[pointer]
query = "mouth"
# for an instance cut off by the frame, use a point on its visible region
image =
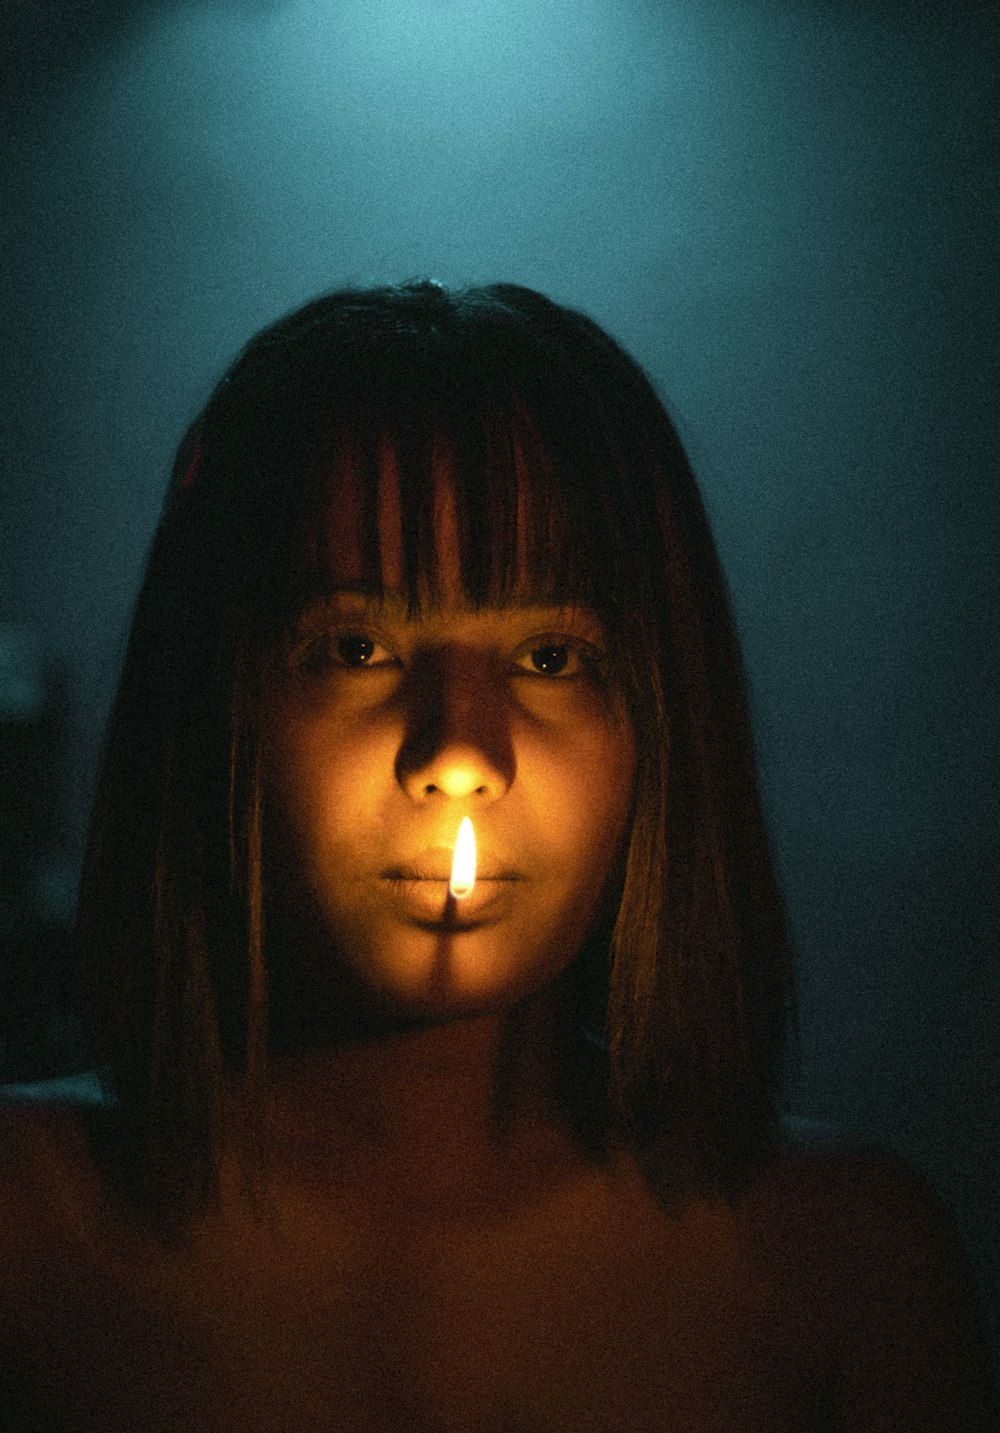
(427, 901)
(434, 864)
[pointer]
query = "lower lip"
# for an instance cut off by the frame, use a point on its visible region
(430, 901)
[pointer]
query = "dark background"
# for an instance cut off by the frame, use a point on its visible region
(787, 211)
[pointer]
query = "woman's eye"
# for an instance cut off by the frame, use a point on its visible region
(345, 650)
(356, 651)
(557, 659)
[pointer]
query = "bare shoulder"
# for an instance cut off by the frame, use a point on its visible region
(43, 1156)
(828, 1180)
(864, 1209)
(34, 1115)
(876, 1267)
(25, 1129)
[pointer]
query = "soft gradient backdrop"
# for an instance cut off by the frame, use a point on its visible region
(786, 210)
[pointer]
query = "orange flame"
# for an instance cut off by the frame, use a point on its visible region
(463, 866)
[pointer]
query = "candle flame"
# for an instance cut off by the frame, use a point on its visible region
(463, 866)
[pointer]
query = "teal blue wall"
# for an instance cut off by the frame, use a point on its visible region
(787, 211)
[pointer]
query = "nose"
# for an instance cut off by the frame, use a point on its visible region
(456, 771)
(457, 743)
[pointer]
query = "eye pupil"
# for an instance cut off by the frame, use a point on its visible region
(355, 650)
(550, 660)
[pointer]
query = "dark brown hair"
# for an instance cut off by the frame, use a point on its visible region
(686, 996)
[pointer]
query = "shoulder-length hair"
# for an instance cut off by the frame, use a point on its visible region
(686, 994)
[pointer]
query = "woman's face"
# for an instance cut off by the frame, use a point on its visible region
(383, 733)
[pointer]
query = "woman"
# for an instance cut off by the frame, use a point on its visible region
(370, 1155)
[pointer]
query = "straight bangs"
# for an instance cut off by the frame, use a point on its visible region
(545, 511)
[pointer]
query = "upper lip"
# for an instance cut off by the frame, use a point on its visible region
(434, 864)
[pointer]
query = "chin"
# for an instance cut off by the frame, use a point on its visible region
(445, 997)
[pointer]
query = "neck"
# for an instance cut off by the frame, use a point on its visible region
(440, 1120)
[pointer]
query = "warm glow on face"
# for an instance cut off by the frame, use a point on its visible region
(463, 866)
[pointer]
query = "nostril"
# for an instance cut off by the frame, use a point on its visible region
(430, 789)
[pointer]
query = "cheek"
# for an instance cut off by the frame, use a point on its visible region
(303, 806)
(312, 774)
(590, 800)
